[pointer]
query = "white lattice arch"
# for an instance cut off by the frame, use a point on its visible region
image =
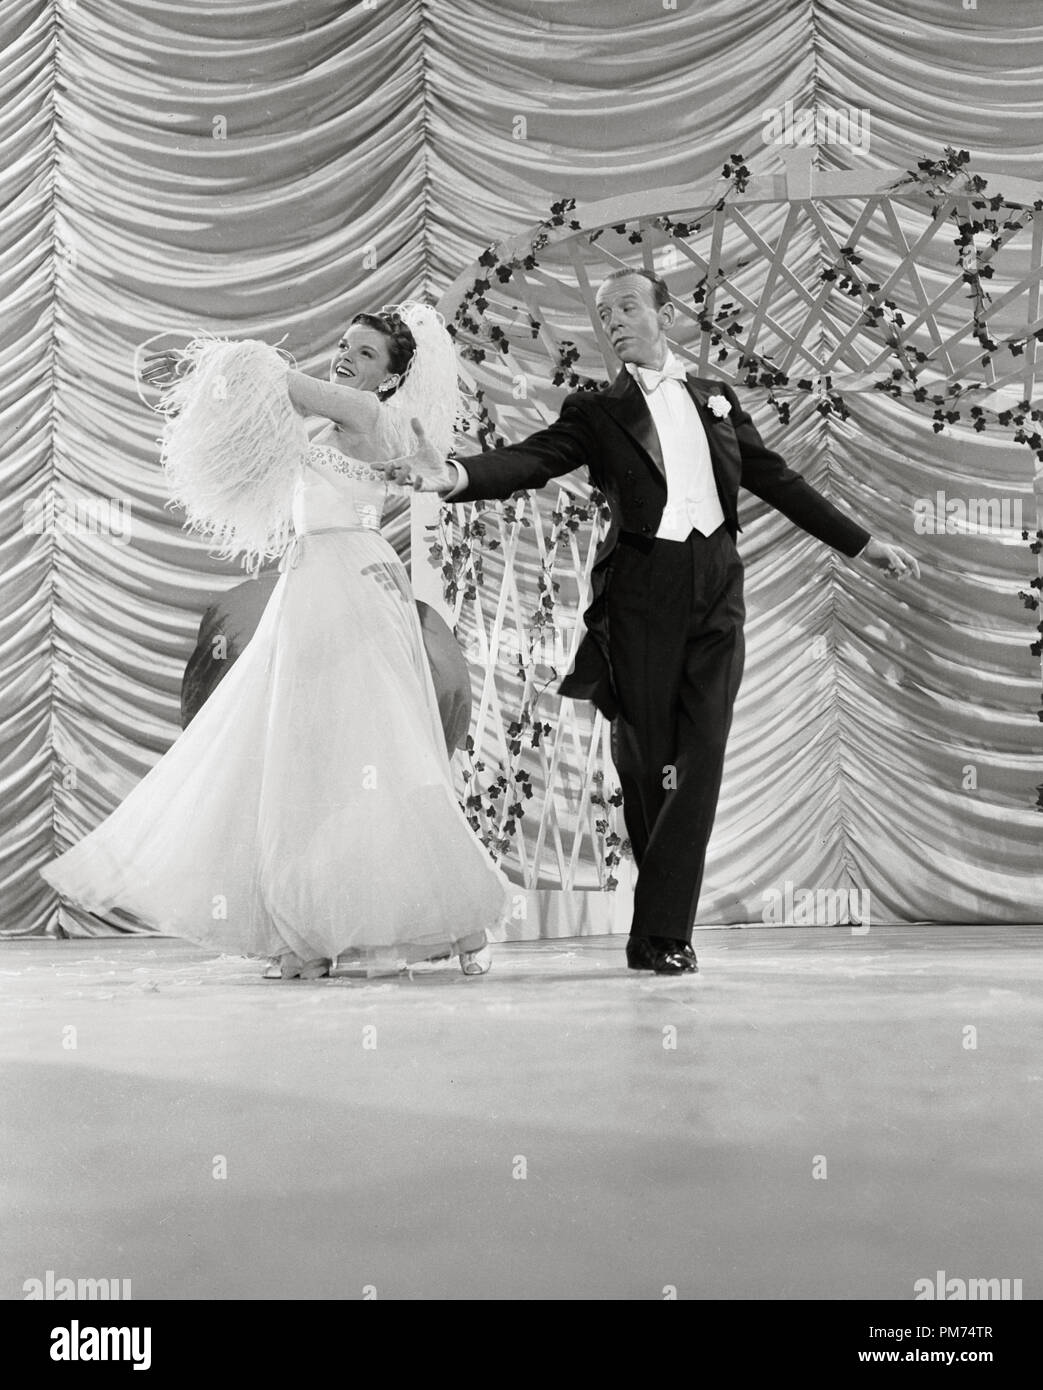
(750, 275)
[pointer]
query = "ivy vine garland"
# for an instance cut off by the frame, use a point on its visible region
(496, 809)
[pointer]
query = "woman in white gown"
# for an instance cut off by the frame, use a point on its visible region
(307, 813)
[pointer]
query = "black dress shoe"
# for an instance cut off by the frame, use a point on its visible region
(664, 955)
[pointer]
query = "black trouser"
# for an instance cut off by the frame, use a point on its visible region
(675, 620)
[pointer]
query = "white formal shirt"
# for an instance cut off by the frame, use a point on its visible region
(692, 502)
(691, 491)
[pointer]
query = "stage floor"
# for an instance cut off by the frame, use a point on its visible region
(806, 1118)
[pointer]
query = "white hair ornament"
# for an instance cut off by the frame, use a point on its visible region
(430, 389)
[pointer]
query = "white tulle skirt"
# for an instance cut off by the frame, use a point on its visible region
(309, 805)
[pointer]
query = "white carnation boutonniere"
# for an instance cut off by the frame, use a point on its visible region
(720, 405)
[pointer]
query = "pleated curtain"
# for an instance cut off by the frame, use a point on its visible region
(273, 168)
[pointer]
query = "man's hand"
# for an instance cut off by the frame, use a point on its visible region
(895, 562)
(425, 469)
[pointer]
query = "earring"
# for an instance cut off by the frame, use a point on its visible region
(390, 382)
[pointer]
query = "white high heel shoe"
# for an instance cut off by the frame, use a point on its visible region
(291, 967)
(476, 962)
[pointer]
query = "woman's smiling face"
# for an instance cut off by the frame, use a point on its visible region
(361, 359)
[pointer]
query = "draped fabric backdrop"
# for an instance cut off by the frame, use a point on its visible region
(273, 168)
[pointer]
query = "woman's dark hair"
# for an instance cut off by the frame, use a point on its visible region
(400, 341)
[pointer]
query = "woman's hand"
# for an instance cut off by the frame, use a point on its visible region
(162, 369)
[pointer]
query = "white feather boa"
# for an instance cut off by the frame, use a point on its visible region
(233, 447)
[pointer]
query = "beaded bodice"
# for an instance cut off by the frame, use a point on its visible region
(335, 490)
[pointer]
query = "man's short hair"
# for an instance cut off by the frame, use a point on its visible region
(660, 293)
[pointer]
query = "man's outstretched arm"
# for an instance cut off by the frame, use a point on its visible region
(767, 475)
(561, 448)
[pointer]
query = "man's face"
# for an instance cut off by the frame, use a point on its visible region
(635, 327)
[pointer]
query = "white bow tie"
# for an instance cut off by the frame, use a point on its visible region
(649, 379)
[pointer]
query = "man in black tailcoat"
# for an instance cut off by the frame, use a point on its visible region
(663, 652)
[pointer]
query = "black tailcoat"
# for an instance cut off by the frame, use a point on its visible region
(611, 434)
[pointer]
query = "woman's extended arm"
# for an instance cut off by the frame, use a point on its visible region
(233, 445)
(356, 411)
